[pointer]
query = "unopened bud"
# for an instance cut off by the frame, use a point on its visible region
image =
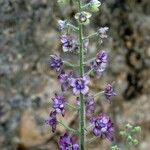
(130, 140)
(129, 126)
(94, 6)
(115, 147)
(135, 142)
(123, 133)
(136, 129)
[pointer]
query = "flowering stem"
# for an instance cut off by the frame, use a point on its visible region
(71, 106)
(70, 64)
(68, 128)
(89, 72)
(82, 104)
(86, 6)
(90, 36)
(99, 93)
(73, 27)
(89, 61)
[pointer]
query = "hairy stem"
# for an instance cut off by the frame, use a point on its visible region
(68, 128)
(90, 36)
(73, 27)
(82, 104)
(68, 64)
(73, 107)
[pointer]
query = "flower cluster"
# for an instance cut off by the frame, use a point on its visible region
(68, 43)
(78, 79)
(100, 62)
(56, 62)
(62, 24)
(52, 121)
(109, 92)
(59, 104)
(80, 85)
(89, 103)
(64, 80)
(67, 142)
(103, 126)
(103, 32)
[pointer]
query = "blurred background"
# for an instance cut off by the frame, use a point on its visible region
(29, 34)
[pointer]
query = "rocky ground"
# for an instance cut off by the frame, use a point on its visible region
(28, 35)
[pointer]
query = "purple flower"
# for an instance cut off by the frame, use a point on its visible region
(59, 104)
(64, 79)
(102, 57)
(52, 121)
(90, 104)
(80, 85)
(103, 126)
(68, 43)
(67, 142)
(56, 62)
(103, 32)
(62, 24)
(109, 92)
(100, 62)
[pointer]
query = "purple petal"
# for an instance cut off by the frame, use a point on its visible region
(72, 82)
(96, 132)
(75, 147)
(85, 90)
(75, 91)
(86, 79)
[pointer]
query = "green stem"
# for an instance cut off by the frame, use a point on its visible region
(86, 6)
(89, 61)
(90, 36)
(89, 72)
(68, 64)
(73, 27)
(99, 93)
(82, 104)
(71, 106)
(68, 128)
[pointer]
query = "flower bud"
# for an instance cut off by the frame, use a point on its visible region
(62, 24)
(123, 133)
(129, 126)
(94, 6)
(130, 139)
(135, 142)
(136, 129)
(115, 147)
(83, 17)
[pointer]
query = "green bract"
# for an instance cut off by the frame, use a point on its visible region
(95, 4)
(83, 17)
